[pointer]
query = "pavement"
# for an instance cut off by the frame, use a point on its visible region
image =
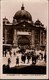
(23, 68)
(13, 62)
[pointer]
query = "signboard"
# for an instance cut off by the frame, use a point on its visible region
(23, 33)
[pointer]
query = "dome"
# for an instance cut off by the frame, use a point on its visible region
(22, 15)
(38, 22)
(5, 21)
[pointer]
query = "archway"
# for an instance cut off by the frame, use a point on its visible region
(23, 42)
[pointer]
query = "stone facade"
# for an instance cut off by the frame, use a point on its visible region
(23, 31)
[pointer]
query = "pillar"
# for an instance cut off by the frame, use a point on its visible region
(41, 37)
(15, 38)
(32, 39)
(5, 36)
(44, 38)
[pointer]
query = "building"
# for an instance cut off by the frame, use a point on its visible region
(23, 32)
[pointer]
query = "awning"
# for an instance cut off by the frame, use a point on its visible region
(7, 45)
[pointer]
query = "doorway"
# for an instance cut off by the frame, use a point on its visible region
(23, 42)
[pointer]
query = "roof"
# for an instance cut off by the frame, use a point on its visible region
(22, 15)
(5, 21)
(38, 22)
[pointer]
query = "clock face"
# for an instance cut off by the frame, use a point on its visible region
(24, 25)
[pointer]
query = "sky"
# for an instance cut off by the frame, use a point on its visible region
(37, 8)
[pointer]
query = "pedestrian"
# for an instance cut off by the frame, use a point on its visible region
(28, 57)
(3, 53)
(24, 58)
(9, 61)
(10, 53)
(45, 57)
(17, 60)
(6, 52)
(41, 56)
(33, 59)
(14, 53)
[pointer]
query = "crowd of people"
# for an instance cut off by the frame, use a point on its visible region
(24, 56)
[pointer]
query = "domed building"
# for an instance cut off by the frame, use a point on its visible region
(23, 32)
(22, 15)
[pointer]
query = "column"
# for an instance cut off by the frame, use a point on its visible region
(32, 38)
(15, 38)
(5, 36)
(41, 37)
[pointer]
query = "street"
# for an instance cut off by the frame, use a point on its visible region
(23, 68)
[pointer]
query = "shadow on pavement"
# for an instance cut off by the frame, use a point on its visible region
(32, 69)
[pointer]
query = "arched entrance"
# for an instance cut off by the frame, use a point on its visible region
(23, 42)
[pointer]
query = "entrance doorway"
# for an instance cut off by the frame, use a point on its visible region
(23, 42)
